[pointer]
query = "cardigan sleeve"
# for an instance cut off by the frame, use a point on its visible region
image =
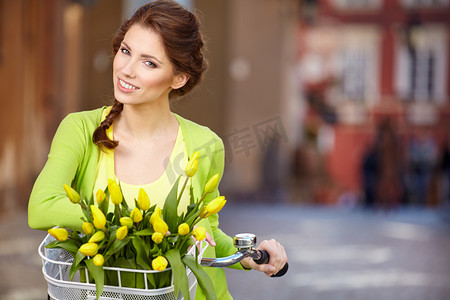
(224, 243)
(48, 205)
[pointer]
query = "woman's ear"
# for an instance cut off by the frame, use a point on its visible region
(179, 80)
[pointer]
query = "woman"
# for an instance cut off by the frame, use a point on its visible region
(139, 141)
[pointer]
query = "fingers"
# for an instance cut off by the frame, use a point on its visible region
(277, 254)
(249, 263)
(210, 240)
(278, 257)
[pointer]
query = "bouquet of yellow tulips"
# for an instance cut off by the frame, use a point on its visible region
(144, 237)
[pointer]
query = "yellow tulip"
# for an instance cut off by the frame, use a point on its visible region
(192, 165)
(115, 192)
(213, 207)
(183, 229)
(97, 237)
(89, 249)
(143, 200)
(199, 233)
(121, 232)
(160, 226)
(157, 237)
(212, 183)
(99, 217)
(100, 196)
(126, 221)
(74, 197)
(157, 213)
(136, 215)
(88, 228)
(160, 263)
(99, 260)
(60, 234)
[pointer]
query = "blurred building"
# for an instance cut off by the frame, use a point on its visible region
(55, 57)
(297, 89)
(362, 64)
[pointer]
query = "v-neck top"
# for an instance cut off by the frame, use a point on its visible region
(156, 190)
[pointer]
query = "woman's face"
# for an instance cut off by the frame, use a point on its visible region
(142, 72)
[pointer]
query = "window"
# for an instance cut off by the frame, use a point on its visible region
(357, 4)
(425, 3)
(357, 60)
(421, 64)
(354, 70)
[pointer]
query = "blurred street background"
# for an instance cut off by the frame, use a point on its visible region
(335, 116)
(333, 254)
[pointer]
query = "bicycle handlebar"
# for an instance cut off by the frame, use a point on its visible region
(264, 259)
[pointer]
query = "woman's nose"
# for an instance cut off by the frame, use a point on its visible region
(129, 68)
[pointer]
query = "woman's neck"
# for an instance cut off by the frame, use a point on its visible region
(145, 121)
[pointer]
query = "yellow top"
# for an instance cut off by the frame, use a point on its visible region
(156, 190)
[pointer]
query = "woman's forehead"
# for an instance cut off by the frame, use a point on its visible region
(146, 41)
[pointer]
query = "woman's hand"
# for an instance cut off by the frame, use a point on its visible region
(278, 258)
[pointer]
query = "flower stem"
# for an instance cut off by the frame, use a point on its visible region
(191, 221)
(182, 189)
(119, 211)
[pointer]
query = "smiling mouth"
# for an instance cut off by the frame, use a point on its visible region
(127, 85)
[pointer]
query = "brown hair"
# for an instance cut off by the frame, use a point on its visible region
(183, 43)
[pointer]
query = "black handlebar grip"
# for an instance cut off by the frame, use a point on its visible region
(264, 259)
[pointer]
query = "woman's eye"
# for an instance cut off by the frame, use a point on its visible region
(150, 64)
(125, 51)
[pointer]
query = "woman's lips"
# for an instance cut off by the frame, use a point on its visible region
(126, 86)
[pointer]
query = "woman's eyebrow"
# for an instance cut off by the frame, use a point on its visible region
(144, 55)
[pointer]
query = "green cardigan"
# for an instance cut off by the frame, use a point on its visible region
(73, 160)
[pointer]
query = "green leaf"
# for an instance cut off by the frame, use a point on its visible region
(189, 213)
(185, 244)
(116, 220)
(116, 247)
(99, 276)
(202, 278)
(68, 245)
(128, 279)
(83, 278)
(154, 250)
(142, 252)
(73, 270)
(170, 210)
(75, 234)
(111, 276)
(172, 238)
(110, 216)
(163, 278)
(105, 204)
(193, 207)
(124, 202)
(90, 200)
(180, 279)
(87, 213)
(145, 232)
(75, 265)
(112, 236)
(142, 260)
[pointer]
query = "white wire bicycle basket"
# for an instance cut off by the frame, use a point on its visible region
(56, 264)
